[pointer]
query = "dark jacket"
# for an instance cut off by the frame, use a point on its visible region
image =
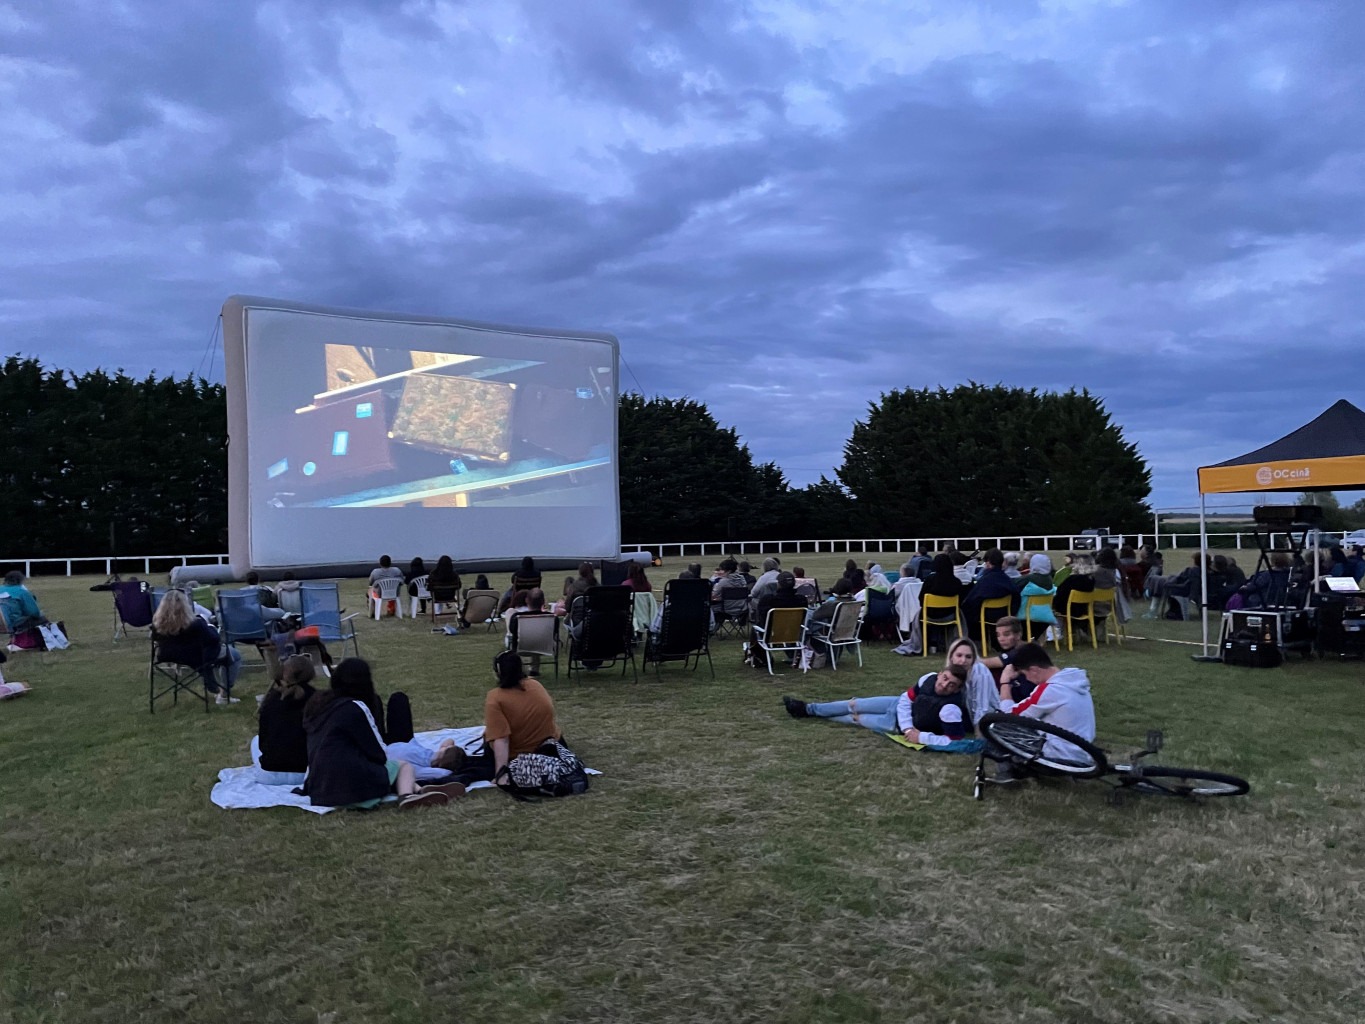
(346, 761)
(196, 646)
(992, 584)
(284, 744)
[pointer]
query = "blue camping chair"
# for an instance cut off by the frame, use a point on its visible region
(321, 603)
(240, 617)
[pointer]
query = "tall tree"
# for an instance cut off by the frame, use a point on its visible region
(982, 459)
(683, 475)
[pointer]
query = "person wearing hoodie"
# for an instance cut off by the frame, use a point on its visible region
(1060, 696)
(287, 594)
(991, 585)
(1037, 582)
(348, 765)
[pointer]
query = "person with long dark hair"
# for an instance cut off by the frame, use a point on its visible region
(284, 743)
(347, 763)
(443, 584)
(518, 716)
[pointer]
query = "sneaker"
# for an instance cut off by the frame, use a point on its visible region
(452, 790)
(429, 797)
(796, 708)
(223, 698)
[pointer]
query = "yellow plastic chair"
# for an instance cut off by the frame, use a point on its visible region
(995, 604)
(1082, 601)
(1037, 601)
(931, 603)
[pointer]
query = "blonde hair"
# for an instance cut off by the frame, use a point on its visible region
(961, 641)
(174, 614)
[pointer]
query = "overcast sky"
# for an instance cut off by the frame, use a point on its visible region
(781, 209)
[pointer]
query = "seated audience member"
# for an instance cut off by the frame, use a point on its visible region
(1225, 579)
(535, 605)
(1012, 564)
(416, 568)
(481, 582)
(518, 717)
(196, 592)
(22, 613)
(288, 595)
(187, 639)
(692, 572)
(270, 606)
(1081, 579)
(1106, 577)
(958, 557)
(1268, 588)
(992, 584)
(637, 580)
(385, 570)
(520, 604)
(771, 567)
(746, 570)
(922, 564)
(1037, 582)
(1009, 637)
(731, 579)
(821, 617)
(1355, 563)
(443, 582)
(876, 579)
(1188, 583)
(284, 744)
(857, 581)
(561, 607)
(783, 595)
(805, 585)
(1152, 564)
(348, 765)
(1060, 696)
(932, 713)
(763, 586)
(582, 583)
(1127, 555)
(525, 579)
(942, 580)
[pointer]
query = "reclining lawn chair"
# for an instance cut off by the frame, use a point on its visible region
(605, 631)
(481, 608)
(684, 632)
(132, 607)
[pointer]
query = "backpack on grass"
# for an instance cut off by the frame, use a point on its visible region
(551, 770)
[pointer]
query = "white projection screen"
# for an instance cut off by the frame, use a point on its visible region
(353, 434)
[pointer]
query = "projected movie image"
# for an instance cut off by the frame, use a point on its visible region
(390, 427)
(354, 434)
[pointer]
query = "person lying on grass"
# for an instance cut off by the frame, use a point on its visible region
(348, 765)
(933, 713)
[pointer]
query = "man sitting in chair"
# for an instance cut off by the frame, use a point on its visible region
(821, 617)
(991, 585)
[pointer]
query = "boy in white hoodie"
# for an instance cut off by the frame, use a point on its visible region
(1060, 696)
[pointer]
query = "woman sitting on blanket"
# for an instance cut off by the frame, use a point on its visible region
(284, 743)
(347, 763)
(186, 639)
(933, 713)
(518, 716)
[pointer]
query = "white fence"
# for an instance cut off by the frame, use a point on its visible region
(149, 564)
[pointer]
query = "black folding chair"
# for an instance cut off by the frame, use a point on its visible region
(178, 676)
(684, 626)
(732, 612)
(605, 631)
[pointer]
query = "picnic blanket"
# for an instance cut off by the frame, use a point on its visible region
(972, 746)
(252, 786)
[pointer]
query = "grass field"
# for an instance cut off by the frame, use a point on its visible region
(732, 864)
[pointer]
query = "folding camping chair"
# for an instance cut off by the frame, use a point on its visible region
(177, 677)
(845, 630)
(321, 603)
(132, 607)
(240, 618)
(732, 612)
(784, 630)
(684, 632)
(604, 631)
(480, 606)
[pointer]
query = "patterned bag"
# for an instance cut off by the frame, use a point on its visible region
(551, 770)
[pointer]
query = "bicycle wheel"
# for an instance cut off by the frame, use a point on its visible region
(1185, 782)
(1042, 745)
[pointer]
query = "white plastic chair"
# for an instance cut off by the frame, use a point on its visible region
(383, 590)
(423, 594)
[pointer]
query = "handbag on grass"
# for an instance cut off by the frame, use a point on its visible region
(551, 770)
(54, 638)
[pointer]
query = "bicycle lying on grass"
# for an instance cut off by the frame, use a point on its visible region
(1033, 747)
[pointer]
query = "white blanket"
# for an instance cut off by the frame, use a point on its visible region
(253, 786)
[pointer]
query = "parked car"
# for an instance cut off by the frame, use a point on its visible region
(1354, 539)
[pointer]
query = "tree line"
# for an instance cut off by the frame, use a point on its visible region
(147, 459)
